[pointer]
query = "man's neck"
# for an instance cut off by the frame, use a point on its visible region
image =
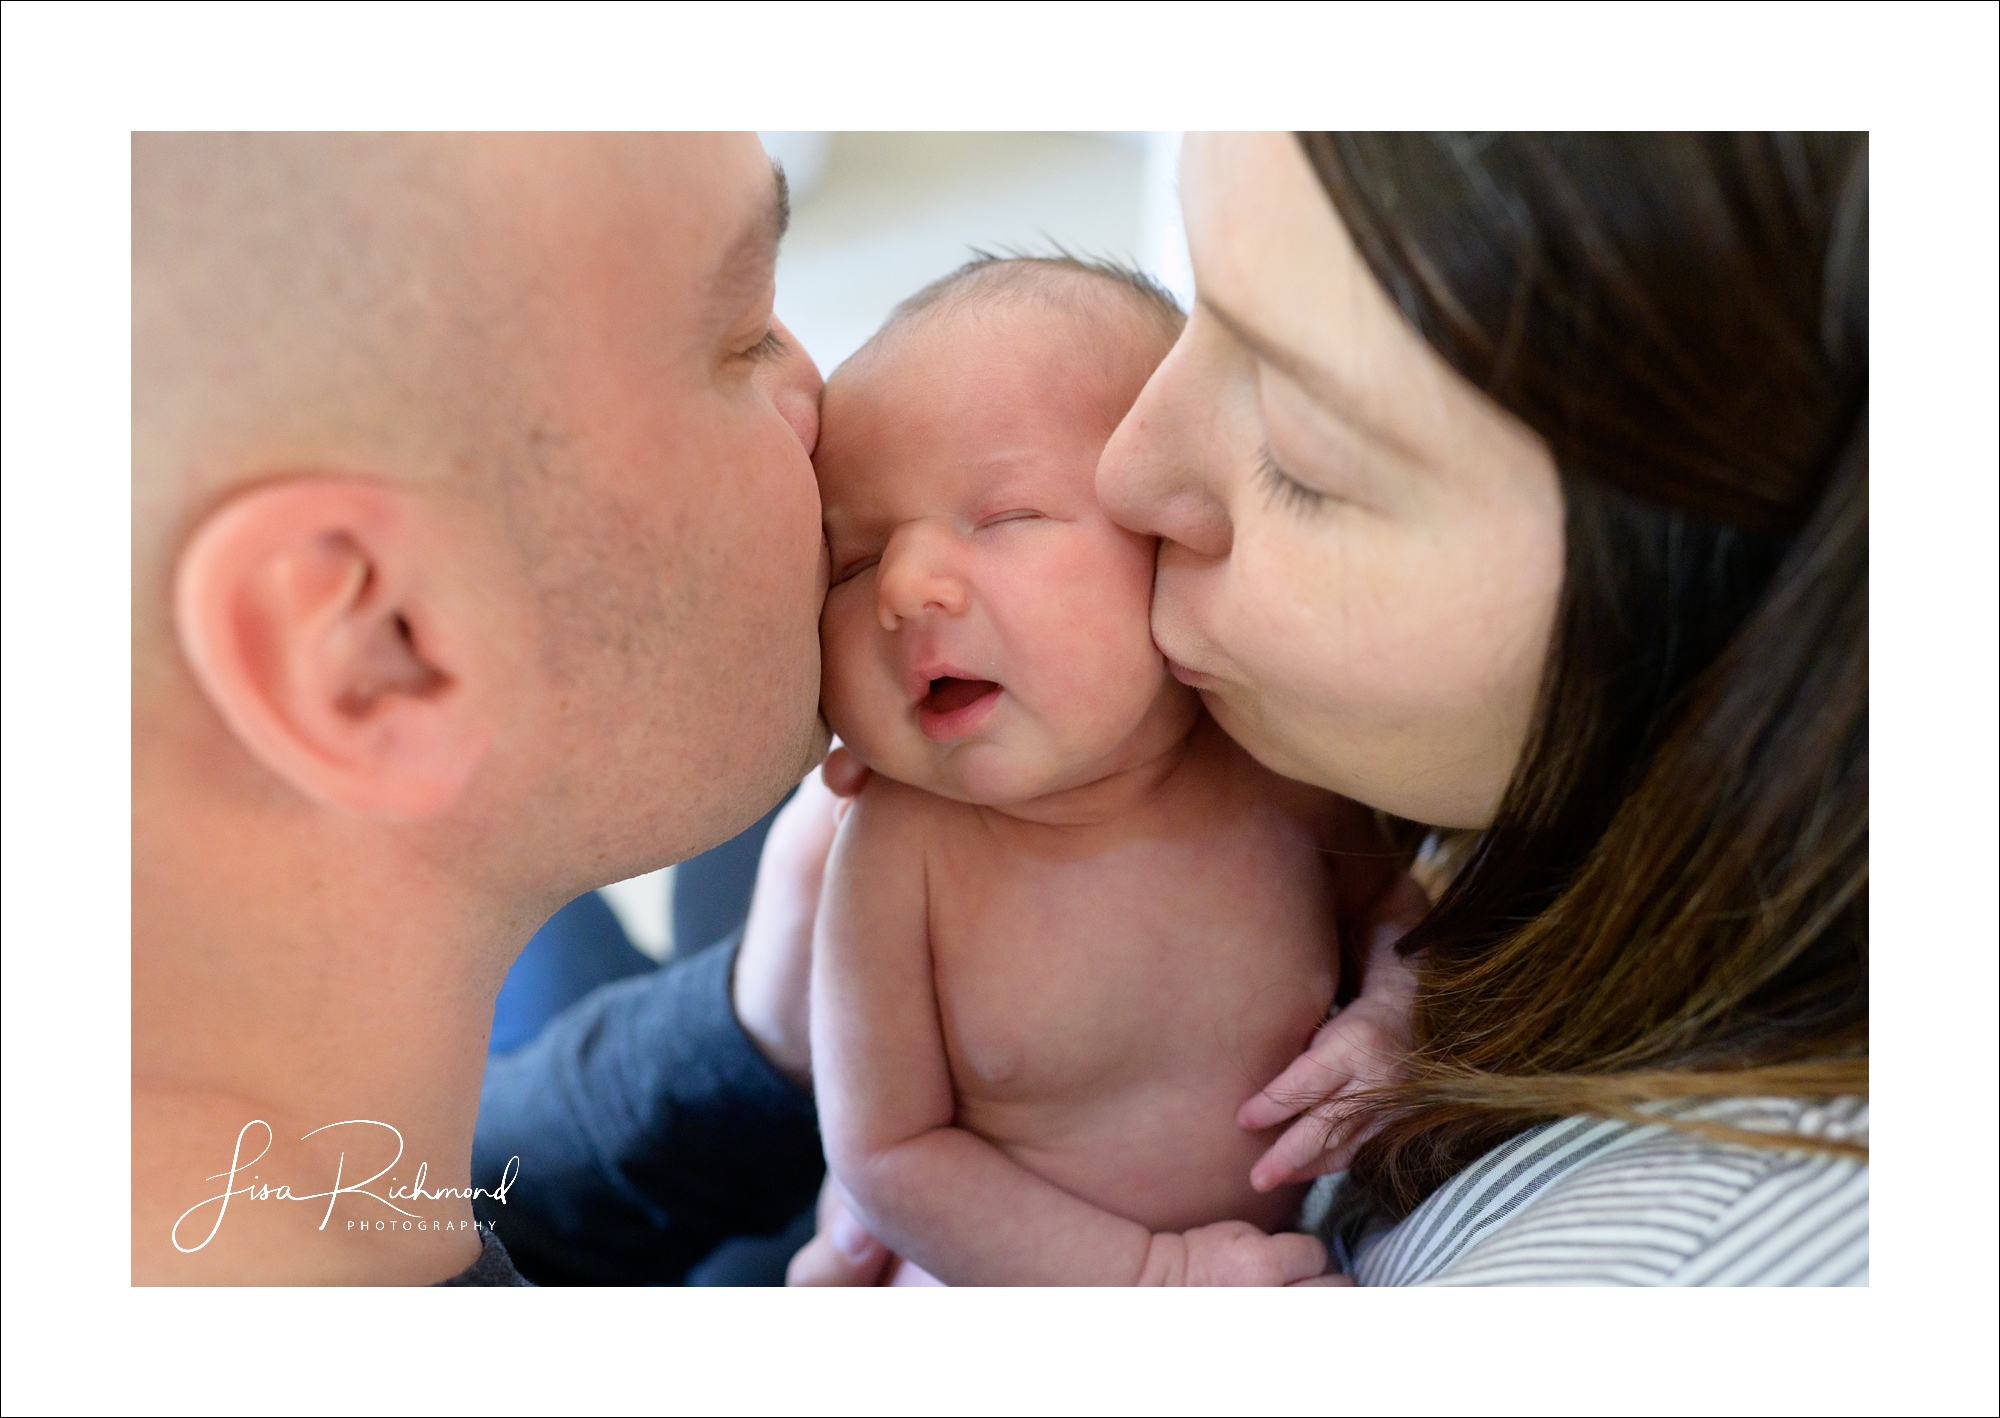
(311, 1006)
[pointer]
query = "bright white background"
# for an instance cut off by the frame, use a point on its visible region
(77, 79)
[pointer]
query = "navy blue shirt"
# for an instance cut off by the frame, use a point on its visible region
(649, 1130)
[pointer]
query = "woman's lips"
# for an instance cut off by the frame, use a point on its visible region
(955, 707)
(1186, 676)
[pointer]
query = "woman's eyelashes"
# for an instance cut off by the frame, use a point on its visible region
(1284, 489)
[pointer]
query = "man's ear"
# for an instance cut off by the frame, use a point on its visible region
(312, 618)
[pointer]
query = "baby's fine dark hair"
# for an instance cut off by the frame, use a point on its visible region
(1056, 279)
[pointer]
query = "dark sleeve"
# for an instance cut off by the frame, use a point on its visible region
(649, 1129)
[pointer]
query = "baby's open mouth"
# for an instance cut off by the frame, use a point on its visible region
(947, 695)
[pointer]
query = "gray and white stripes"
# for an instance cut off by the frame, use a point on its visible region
(1585, 1201)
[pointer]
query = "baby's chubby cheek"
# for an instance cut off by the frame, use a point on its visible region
(1083, 636)
(856, 693)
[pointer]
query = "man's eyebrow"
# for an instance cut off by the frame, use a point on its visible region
(781, 202)
(747, 263)
(1314, 379)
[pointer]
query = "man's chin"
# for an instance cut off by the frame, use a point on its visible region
(821, 745)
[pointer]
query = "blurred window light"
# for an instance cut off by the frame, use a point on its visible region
(802, 156)
(876, 216)
(644, 906)
(1163, 249)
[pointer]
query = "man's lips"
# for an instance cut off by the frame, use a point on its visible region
(953, 706)
(1187, 676)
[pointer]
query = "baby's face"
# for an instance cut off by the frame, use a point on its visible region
(986, 636)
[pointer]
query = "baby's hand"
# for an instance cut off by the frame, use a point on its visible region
(1232, 1253)
(1361, 1047)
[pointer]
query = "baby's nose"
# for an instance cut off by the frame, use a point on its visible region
(916, 580)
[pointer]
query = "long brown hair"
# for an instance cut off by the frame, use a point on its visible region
(1673, 898)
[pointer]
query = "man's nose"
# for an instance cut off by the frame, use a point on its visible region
(791, 381)
(916, 578)
(1156, 476)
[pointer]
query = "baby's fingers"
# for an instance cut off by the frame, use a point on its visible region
(1300, 1257)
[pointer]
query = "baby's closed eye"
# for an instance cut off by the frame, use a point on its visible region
(1018, 514)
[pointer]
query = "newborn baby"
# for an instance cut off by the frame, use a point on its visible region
(1069, 927)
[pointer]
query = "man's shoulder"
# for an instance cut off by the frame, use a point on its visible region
(494, 1266)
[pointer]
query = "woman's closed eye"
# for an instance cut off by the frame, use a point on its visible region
(1282, 488)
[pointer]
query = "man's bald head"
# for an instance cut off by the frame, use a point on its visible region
(554, 349)
(477, 563)
(322, 301)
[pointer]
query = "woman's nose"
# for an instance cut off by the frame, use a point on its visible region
(791, 381)
(915, 579)
(1152, 478)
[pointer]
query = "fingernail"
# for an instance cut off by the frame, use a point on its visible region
(850, 1237)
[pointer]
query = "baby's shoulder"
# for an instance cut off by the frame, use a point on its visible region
(888, 810)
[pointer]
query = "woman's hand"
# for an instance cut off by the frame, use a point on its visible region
(842, 1251)
(1361, 1047)
(775, 960)
(843, 773)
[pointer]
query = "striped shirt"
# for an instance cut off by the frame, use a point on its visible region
(1587, 1201)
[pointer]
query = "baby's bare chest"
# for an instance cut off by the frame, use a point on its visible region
(1195, 957)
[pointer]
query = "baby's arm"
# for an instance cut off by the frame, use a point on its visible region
(940, 1195)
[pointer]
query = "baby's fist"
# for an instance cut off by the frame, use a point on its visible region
(1232, 1253)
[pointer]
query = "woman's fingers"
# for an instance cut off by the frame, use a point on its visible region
(1361, 1042)
(844, 774)
(1318, 1145)
(1358, 1049)
(1361, 1048)
(1309, 1148)
(821, 1261)
(1306, 1080)
(1393, 915)
(775, 960)
(844, 1252)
